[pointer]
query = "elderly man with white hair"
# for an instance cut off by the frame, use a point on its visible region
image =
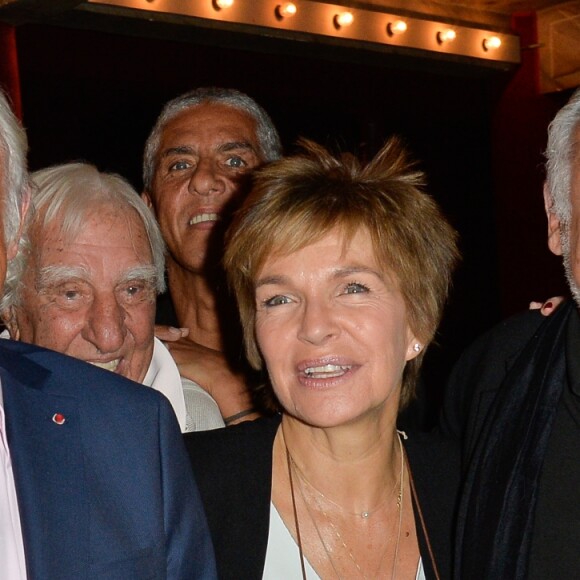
(514, 398)
(94, 479)
(85, 282)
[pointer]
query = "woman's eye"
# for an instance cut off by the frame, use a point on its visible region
(356, 288)
(276, 301)
(236, 162)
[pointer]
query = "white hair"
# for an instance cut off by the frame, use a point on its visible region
(562, 148)
(66, 194)
(268, 139)
(13, 173)
(560, 152)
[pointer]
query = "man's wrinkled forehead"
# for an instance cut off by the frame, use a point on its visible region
(67, 225)
(227, 125)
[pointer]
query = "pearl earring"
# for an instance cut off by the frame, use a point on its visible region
(417, 347)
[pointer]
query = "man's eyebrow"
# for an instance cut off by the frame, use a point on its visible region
(235, 145)
(54, 275)
(146, 273)
(179, 150)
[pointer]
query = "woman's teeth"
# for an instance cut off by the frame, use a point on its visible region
(326, 371)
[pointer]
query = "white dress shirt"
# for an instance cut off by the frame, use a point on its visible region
(12, 563)
(194, 408)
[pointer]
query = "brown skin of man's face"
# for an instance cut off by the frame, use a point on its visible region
(205, 157)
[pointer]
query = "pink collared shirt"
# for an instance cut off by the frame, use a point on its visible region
(11, 543)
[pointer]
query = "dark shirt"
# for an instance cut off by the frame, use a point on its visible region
(477, 380)
(555, 552)
(165, 312)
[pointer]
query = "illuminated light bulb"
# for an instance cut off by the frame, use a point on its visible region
(221, 4)
(491, 43)
(343, 19)
(396, 27)
(447, 35)
(286, 10)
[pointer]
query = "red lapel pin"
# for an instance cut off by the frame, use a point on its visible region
(58, 418)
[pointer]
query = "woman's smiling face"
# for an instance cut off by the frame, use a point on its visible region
(332, 327)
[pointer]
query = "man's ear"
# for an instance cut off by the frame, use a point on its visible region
(554, 225)
(147, 199)
(12, 248)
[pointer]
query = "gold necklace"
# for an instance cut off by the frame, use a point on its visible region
(291, 464)
(365, 514)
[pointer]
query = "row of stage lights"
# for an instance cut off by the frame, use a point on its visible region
(346, 18)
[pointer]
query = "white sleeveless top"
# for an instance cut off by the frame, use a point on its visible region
(283, 555)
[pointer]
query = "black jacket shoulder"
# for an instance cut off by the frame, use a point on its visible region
(233, 470)
(480, 371)
(435, 466)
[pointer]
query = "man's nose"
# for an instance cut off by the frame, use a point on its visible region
(206, 179)
(105, 327)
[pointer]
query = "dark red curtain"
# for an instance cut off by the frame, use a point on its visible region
(9, 76)
(528, 271)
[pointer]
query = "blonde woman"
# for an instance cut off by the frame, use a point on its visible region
(341, 274)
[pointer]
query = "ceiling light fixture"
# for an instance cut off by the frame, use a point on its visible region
(446, 36)
(343, 19)
(285, 10)
(396, 27)
(221, 4)
(491, 43)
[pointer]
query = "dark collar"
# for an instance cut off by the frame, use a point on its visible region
(573, 352)
(496, 516)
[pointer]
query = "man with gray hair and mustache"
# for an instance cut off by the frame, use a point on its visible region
(85, 284)
(94, 479)
(197, 164)
(514, 399)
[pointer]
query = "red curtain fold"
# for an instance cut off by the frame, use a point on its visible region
(9, 74)
(526, 267)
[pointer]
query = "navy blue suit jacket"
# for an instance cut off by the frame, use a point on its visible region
(109, 494)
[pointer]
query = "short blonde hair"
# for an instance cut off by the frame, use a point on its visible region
(298, 200)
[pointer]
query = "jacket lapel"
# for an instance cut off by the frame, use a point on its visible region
(47, 459)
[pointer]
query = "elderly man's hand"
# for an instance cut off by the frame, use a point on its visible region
(209, 369)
